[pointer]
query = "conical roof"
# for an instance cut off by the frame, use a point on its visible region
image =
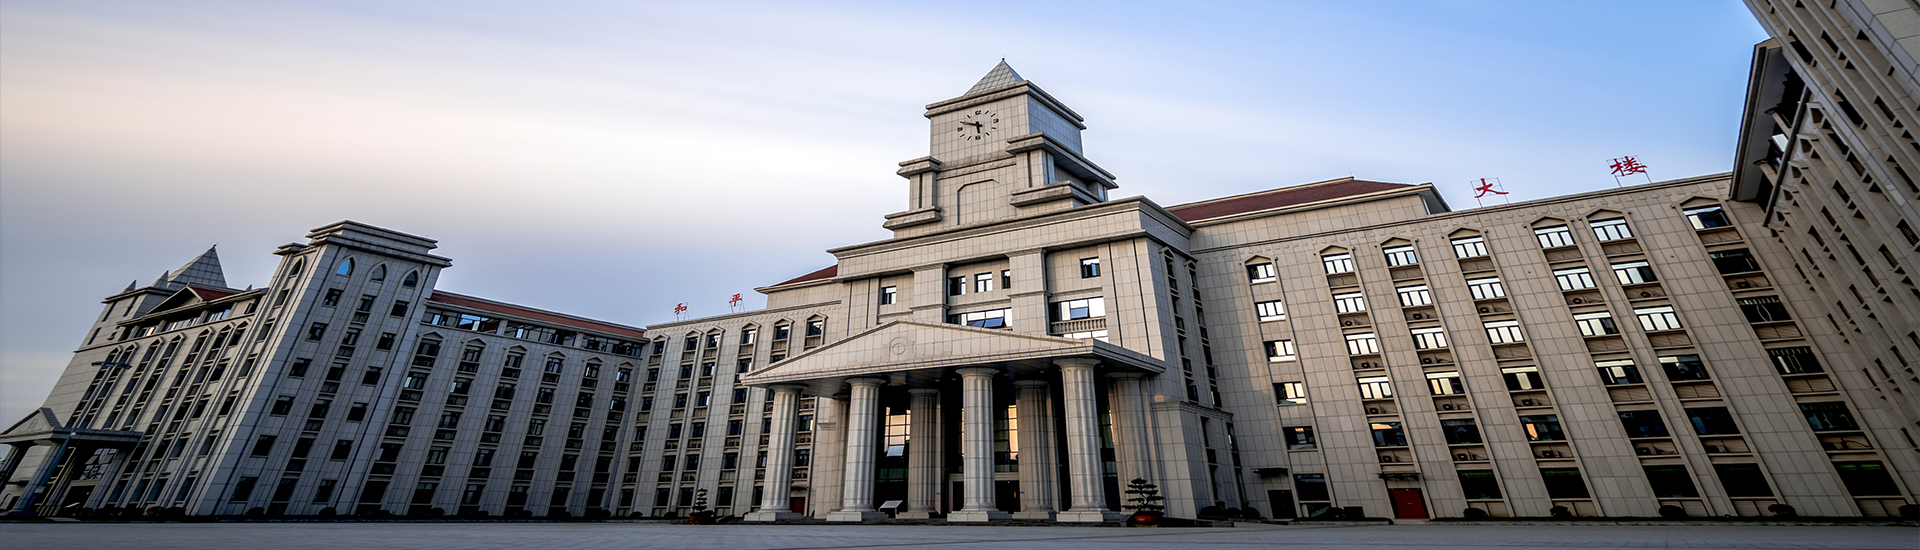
(1001, 75)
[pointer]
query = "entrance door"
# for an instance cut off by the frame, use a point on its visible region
(799, 505)
(1282, 502)
(1408, 504)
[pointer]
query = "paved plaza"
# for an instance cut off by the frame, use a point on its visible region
(588, 536)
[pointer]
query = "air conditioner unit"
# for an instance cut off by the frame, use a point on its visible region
(1373, 410)
(1646, 294)
(1526, 402)
(1743, 284)
(1366, 365)
(1459, 456)
(1346, 323)
(1446, 406)
(1426, 360)
(1419, 316)
(1643, 450)
(1486, 310)
(1387, 458)
(1577, 301)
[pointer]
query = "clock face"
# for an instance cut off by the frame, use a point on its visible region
(978, 125)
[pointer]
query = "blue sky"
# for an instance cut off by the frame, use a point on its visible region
(611, 159)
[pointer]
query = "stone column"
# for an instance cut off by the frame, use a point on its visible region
(13, 461)
(924, 474)
(29, 493)
(1039, 489)
(856, 485)
(1082, 405)
(776, 494)
(1131, 414)
(976, 445)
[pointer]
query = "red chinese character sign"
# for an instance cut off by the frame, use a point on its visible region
(734, 304)
(1627, 166)
(679, 310)
(1487, 186)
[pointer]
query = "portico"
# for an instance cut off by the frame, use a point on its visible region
(65, 444)
(1028, 440)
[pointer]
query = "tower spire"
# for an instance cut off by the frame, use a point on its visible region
(1001, 75)
(204, 271)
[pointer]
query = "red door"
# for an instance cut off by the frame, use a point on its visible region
(799, 506)
(1407, 504)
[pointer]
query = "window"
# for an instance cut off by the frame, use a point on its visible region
(413, 278)
(1503, 332)
(1707, 217)
(1657, 318)
(887, 296)
(346, 267)
(264, 445)
(1598, 323)
(414, 381)
(1712, 421)
(1299, 438)
(1006, 279)
(1414, 296)
(1643, 424)
(1739, 260)
(332, 298)
(1564, 483)
(1089, 268)
(983, 282)
(1445, 383)
(357, 413)
(1351, 302)
(1290, 392)
(1522, 378)
(1365, 343)
(1617, 372)
(1311, 486)
(1794, 360)
(1633, 273)
(1281, 350)
(1084, 308)
(1684, 367)
(1486, 288)
(1470, 247)
(385, 341)
(1388, 434)
(1429, 338)
(1337, 263)
(1829, 416)
(1866, 478)
(782, 331)
(1261, 273)
(1479, 484)
(1400, 255)
(1460, 431)
(316, 331)
(1611, 230)
(243, 490)
(816, 327)
(956, 285)
(1577, 278)
(1743, 480)
(1542, 427)
(342, 449)
(996, 318)
(1375, 387)
(1671, 482)
(1272, 310)
(282, 405)
(1763, 309)
(402, 416)
(1554, 236)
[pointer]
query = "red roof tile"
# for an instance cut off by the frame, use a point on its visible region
(1285, 196)
(533, 314)
(210, 294)
(828, 273)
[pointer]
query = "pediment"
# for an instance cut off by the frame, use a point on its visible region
(902, 346)
(38, 421)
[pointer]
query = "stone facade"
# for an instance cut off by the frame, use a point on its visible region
(1022, 347)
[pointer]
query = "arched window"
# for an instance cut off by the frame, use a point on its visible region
(413, 278)
(379, 273)
(298, 266)
(346, 267)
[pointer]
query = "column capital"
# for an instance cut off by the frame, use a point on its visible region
(970, 372)
(1075, 362)
(917, 392)
(866, 381)
(1031, 383)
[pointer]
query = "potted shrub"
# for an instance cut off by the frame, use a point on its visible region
(1782, 510)
(1143, 501)
(700, 515)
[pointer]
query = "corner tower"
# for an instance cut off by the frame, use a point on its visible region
(1003, 149)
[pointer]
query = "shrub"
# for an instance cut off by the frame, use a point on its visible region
(1671, 512)
(1783, 510)
(328, 512)
(1212, 512)
(1474, 513)
(1560, 512)
(1143, 497)
(107, 512)
(636, 515)
(436, 512)
(1249, 513)
(522, 513)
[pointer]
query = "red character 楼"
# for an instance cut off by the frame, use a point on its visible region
(1627, 165)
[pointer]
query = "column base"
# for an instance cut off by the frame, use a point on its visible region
(915, 515)
(1043, 515)
(855, 516)
(977, 516)
(772, 516)
(1089, 516)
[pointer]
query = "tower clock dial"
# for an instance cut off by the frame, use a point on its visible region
(978, 125)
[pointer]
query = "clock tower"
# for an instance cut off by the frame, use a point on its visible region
(1003, 149)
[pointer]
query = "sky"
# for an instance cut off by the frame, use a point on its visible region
(613, 159)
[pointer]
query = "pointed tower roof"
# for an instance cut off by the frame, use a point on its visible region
(1001, 75)
(204, 271)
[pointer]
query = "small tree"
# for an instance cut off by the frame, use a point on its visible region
(1143, 497)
